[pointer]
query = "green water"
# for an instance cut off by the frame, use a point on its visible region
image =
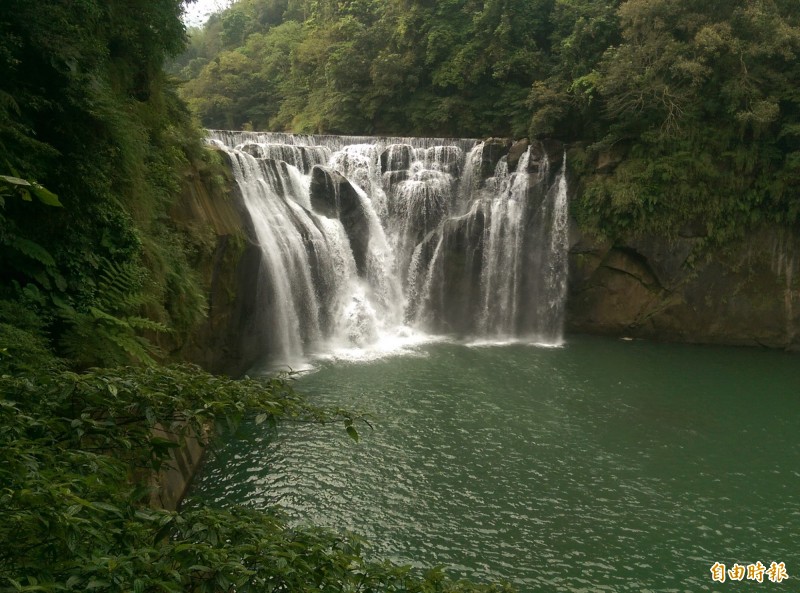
(600, 466)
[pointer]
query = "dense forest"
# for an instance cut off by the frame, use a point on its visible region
(87, 115)
(676, 113)
(690, 108)
(94, 149)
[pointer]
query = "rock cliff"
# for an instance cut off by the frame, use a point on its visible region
(744, 294)
(229, 265)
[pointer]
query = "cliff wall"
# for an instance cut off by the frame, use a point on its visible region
(229, 262)
(746, 293)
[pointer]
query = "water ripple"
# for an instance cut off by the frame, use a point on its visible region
(600, 466)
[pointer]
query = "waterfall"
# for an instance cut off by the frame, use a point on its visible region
(372, 244)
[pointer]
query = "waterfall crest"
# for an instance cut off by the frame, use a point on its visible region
(372, 244)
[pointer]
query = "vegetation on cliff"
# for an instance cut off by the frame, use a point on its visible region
(94, 147)
(76, 450)
(87, 112)
(689, 110)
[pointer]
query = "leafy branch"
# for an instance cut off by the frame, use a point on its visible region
(75, 503)
(10, 186)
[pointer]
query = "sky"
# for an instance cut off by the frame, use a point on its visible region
(198, 12)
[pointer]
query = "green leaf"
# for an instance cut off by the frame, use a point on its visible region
(59, 280)
(159, 442)
(45, 196)
(25, 188)
(108, 507)
(15, 181)
(33, 251)
(353, 433)
(59, 302)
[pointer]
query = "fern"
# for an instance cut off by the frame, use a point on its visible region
(32, 250)
(145, 324)
(120, 287)
(8, 103)
(107, 332)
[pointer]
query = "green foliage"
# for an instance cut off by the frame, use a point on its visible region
(10, 186)
(244, 87)
(449, 68)
(23, 350)
(697, 97)
(75, 453)
(698, 102)
(565, 102)
(107, 333)
(86, 111)
(28, 263)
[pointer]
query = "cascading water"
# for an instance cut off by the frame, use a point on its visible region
(368, 243)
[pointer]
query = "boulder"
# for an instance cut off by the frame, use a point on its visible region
(396, 157)
(493, 150)
(515, 153)
(545, 154)
(333, 196)
(253, 149)
(393, 178)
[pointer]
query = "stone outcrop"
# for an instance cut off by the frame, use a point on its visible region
(228, 261)
(332, 195)
(675, 289)
(545, 154)
(172, 481)
(515, 153)
(396, 157)
(493, 150)
(455, 295)
(747, 294)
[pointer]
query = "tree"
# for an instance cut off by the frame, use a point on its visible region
(701, 96)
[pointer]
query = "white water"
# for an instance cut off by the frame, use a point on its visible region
(502, 265)
(446, 251)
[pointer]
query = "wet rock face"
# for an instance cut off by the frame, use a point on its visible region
(396, 157)
(252, 149)
(392, 179)
(493, 150)
(456, 295)
(658, 288)
(325, 186)
(545, 154)
(515, 153)
(226, 341)
(332, 195)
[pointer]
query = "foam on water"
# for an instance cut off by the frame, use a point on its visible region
(401, 341)
(490, 343)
